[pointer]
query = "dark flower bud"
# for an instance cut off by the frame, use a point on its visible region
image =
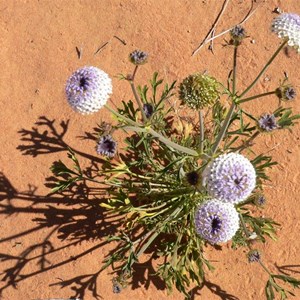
(148, 110)
(138, 57)
(193, 178)
(254, 256)
(237, 34)
(260, 200)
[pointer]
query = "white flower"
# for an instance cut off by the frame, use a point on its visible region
(230, 178)
(287, 26)
(88, 89)
(216, 221)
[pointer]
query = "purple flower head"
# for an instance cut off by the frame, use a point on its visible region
(230, 178)
(267, 122)
(216, 221)
(290, 93)
(253, 256)
(107, 146)
(287, 26)
(88, 89)
(138, 57)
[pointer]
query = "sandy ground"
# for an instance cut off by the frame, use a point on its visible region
(37, 54)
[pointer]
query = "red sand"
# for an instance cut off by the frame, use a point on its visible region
(38, 40)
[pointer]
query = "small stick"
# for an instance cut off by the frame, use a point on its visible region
(101, 47)
(206, 40)
(122, 41)
(78, 51)
(211, 32)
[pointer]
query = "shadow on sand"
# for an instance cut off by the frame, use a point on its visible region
(72, 217)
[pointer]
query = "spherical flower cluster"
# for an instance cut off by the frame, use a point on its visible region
(230, 178)
(138, 57)
(88, 89)
(107, 146)
(216, 221)
(198, 91)
(267, 122)
(287, 26)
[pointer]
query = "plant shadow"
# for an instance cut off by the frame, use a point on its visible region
(72, 216)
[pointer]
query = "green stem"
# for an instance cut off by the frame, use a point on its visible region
(256, 97)
(138, 100)
(234, 71)
(163, 139)
(244, 226)
(201, 122)
(264, 69)
(224, 128)
(265, 268)
(232, 107)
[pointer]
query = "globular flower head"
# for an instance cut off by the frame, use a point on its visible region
(237, 34)
(267, 122)
(230, 178)
(216, 221)
(254, 256)
(138, 57)
(286, 93)
(198, 91)
(88, 90)
(287, 26)
(148, 110)
(107, 146)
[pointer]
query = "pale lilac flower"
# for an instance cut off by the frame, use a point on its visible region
(88, 90)
(216, 221)
(287, 26)
(230, 178)
(107, 146)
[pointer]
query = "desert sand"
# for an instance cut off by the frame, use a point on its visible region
(38, 53)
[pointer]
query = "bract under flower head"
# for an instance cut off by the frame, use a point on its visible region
(216, 221)
(230, 178)
(198, 91)
(107, 146)
(88, 90)
(287, 26)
